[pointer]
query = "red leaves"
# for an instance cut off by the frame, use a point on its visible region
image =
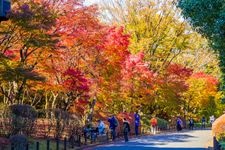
(114, 45)
(74, 80)
(135, 67)
(137, 78)
(179, 71)
(9, 53)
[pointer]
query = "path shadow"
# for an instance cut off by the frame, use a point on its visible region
(158, 142)
(146, 148)
(181, 137)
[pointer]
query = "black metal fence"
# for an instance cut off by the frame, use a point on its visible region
(70, 143)
(50, 144)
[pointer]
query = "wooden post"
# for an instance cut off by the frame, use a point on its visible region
(37, 145)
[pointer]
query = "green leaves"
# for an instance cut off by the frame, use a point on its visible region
(18, 74)
(208, 17)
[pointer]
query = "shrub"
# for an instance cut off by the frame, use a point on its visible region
(19, 119)
(218, 127)
(19, 142)
(162, 124)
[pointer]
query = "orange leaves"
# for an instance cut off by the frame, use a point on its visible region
(175, 77)
(78, 25)
(218, 126)
(209, 78)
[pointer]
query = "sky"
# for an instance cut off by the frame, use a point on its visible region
(89, 2)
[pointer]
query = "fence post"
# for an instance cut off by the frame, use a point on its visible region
(12, 146)
(65, 143)
(37, 145)
(57, 144)
(48, 144)
(27, 146)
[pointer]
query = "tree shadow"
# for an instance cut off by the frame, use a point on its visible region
(181, 137)
(152, 143)
(146, 148)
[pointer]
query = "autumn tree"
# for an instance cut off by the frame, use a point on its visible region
(156, 28)
(138, 82)
(24, 39)
(202, 97)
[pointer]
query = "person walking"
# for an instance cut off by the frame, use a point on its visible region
(203, 122)
(137, 122)
(179, 124)
(113, 123)
(191, 124)
(212, 119)
(153, 123)
(126, 129)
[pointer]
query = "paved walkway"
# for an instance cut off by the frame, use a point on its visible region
(193, 140)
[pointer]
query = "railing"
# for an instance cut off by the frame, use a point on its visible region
(45, 131)
(78, 139)
(48, 146)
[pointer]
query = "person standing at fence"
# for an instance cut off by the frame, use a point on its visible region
(113, 123)
(101, 127)
(126, 129)
(137, 122)
(153, 123)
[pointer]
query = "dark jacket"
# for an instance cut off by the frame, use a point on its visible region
(126, 126)
(113, 123)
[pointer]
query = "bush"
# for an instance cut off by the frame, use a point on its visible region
(218, 126)
(19, 142)
(162, 124)
(19, 119)
(199, 125)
